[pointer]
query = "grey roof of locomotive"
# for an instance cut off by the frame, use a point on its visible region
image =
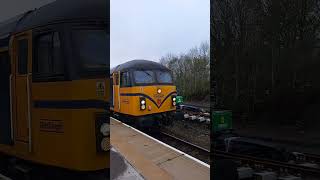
(56, 12)
(139, 65)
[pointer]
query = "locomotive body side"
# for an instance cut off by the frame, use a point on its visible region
(58, 87)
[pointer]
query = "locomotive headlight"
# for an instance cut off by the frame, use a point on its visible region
(105, 129)
(159, 91)
(174, 100)
(102, 132)
(143, 102)
(105, 144)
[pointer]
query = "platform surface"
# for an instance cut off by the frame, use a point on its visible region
(2, 177)
(152, 159)
(121, 169)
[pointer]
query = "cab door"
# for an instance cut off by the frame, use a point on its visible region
(22, 48)
(116, 92)
(111, 92)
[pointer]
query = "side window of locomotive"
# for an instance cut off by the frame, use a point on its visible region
(23, 56)
(90, 47)
(116, 78)
(125, 79)
(43, 58)
(58, 66)
(48, 59)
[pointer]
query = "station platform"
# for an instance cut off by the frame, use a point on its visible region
(2, 177)
(147, 158)
(121, 169)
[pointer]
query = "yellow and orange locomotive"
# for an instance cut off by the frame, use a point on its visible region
(53, 87)
(143, 93)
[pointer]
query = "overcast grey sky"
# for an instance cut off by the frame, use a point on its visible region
(150, 29)
(143, 29)
(10, 8)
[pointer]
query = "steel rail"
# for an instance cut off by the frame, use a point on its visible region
(269, 163)
(186, 142)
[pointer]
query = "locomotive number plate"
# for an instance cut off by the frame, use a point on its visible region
(55, 126)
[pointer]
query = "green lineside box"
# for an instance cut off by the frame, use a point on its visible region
(222, 120)
(179, 99)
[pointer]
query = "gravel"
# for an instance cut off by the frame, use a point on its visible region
(193, 132)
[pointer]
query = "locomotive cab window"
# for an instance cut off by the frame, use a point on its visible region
(48, 56)
(91, 49)
(164, 77)
(125, 79)
(23, 56)
(144, 77)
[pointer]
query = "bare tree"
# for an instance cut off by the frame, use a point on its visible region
(264, 51)
(191, 71)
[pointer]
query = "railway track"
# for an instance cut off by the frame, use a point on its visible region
(184, 146)
(308, 156)
(312, 157)
(198, 106)
(280, 167)
(204, 155)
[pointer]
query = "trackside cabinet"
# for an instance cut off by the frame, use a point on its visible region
(222, 120)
